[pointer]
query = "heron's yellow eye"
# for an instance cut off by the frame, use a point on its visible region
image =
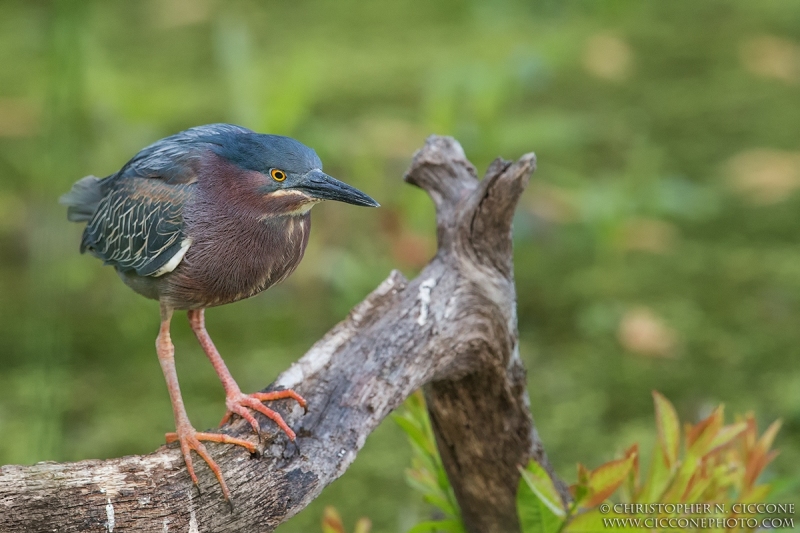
(277, 175)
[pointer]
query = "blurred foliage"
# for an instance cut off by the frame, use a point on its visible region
(713, 464)
(332, 523)
(656, 248)
(427, 474)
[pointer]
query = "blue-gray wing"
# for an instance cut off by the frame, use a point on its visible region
(175, 159)
(135, 217)
(139, 226)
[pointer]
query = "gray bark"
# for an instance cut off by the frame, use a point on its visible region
(452, 330)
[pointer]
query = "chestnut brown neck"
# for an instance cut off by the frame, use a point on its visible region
(239, 248)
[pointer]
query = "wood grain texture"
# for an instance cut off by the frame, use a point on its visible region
(453, 330)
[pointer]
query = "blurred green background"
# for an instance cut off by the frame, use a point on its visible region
(658, 245)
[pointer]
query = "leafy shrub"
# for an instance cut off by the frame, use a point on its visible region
(427, 474)
(713, 464)
(707, 463)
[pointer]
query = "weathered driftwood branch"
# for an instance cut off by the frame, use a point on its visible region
(452, 330)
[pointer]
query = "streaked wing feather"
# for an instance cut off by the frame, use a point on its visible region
(138, 224)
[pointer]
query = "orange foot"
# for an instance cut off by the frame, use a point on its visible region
(239, 403)
(190, 440)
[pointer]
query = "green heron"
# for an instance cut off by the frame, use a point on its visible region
(206, 217)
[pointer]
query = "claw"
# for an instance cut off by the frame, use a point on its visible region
(239, 404)
(189, 440)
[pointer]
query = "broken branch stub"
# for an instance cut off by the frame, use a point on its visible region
(452, 329)
(479, 408)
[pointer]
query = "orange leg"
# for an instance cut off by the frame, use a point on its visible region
(185, 434)
(236, 401)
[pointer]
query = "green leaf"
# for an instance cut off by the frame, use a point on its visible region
(535, 477)
(632, 483)
(442, 503)
(699, 436)
(538, 503)
(669, 429)
(607, 478)
(663, 462)
(421, 481)
(760, 455)
(658, 478)
(427, 474)
(580, 490)
(726, 435)
(414, 432)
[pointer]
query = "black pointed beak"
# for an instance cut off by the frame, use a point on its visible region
(317, 184)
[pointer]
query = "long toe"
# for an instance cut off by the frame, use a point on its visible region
(256, 405)
(281, 395)
(241, 408)
(191, 440)
(241, 403)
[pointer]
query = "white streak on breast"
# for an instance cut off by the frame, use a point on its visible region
(287, 192)
(302, 210)
(305, 208)
(173, 263)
